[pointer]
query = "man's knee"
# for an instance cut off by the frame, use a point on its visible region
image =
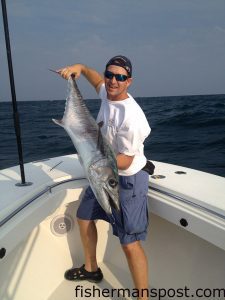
(85, 223)
(130, 248)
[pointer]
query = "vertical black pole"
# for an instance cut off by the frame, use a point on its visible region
(13, 92)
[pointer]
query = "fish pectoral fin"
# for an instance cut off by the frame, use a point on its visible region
(58, 122)
(100, 124)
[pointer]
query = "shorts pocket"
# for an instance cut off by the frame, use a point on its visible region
(134, 202)
(127, 182)
(135, 214)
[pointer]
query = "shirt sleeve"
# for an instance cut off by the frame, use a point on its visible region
(131, 136)
(102, 92)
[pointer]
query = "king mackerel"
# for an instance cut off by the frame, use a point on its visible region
(95, 154)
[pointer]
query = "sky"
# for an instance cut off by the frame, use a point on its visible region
(177, 47)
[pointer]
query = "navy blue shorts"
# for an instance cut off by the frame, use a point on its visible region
(130, 224)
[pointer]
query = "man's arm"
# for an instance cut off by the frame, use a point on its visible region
(95, 79)
(124, 161)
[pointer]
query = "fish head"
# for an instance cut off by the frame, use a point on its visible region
(104, 181)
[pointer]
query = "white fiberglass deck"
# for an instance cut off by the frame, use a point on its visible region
(41, 237)
(116, 285)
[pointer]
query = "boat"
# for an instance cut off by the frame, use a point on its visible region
(39, 235)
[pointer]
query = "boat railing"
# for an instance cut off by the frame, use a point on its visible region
(49, 188)
(186, 201)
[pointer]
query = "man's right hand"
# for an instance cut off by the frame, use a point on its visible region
(95, 79)
(66, 72)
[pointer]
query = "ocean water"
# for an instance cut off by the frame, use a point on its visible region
(187, 131)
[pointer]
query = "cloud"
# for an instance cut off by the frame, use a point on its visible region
(176, 46)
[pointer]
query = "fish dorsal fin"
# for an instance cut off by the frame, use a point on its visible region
(100, 142)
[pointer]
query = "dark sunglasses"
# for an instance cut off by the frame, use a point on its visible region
(119, 77)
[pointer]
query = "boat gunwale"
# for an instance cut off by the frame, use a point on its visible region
(160, 191)
(188, 202)
(35, 197)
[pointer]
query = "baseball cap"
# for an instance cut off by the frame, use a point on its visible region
(121, 61)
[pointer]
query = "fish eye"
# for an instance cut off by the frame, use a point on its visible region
(113, 183)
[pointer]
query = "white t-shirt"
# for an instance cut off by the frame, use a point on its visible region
(125, 127)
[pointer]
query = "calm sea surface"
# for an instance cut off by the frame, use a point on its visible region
(187, 131)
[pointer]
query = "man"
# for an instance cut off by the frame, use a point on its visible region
(125, 127)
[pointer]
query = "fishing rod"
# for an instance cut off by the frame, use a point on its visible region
(13, 94)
